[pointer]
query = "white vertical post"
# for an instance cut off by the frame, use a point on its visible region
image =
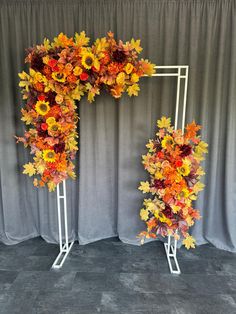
(171, 245)
(66, 247)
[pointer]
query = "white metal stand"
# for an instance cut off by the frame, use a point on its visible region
(181, 72)
(66, 247)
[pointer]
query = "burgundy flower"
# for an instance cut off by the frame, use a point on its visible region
(185, 150)
(119, 56)
(168, 212)
(159, 184)
(51, 97)
(59, 148)
(37, 62)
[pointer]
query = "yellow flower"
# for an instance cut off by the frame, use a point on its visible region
(158, 175)
(88, 60)
(50, 120)
(120, 79)
(163, 122)
(184, 170)
(189, 242)
(49, 155)
(167, 141)
(134, 78)
(77, 71)
(59, 99)
(129, 68)
(54, 127)
(42, 107)
(59, 77)
(184, 193)
(144, 214)
(133, 90)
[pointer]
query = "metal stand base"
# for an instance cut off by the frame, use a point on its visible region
(61, 257)
(66, 247)
(171, 255)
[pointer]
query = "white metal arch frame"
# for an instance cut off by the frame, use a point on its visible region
(181, 73)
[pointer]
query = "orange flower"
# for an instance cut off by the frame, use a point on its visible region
(113, 68)
(71, 78)
(39, 87)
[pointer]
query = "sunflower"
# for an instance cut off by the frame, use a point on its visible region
(49, 155)
(88, 60)
(184, 170)
(50, 120)
(54, 127)
(59, 77)
(42, 107)
(167, 141)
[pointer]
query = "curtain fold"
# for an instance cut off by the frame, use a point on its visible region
(104, 200)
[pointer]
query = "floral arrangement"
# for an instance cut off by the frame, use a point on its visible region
(173, 162)
(60, 73)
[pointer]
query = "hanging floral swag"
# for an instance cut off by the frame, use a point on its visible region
(60, 73)
(173, 162)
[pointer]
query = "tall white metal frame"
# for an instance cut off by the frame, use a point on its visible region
(62, 229)
(181, 73)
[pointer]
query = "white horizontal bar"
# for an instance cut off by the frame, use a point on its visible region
(61, 196)
(170, 66)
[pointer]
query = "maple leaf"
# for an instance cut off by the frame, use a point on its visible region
(135, 44)
(145, 187)
(51, 186)
(46, 43)
(144, 214)
(81, 39)
(147, 67)
(150, 146)
(199, 186)
(29, 169)
(164, 122)
(189, 242)
(133, 90)
(28, 116)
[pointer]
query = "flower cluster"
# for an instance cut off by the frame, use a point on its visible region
(60, 73)
(173, 162)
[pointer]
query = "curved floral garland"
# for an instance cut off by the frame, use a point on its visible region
(60, 73)
(173, 162)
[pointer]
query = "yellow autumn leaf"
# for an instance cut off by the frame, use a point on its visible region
(133, 90)
(144, 214)
(164, 122)
(199, 186)
(29, 169)
(150, 146)
(135, 44)
(26, 116)
(189, 242)
(81, 39)
(200, 171)
(91, 96)
(46, 43)
(51, 186)
(144, 187)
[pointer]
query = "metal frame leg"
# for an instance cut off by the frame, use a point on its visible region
(66, 247)
(171, 251)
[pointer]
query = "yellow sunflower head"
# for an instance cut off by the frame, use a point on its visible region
(185, 169)
(167, 141)
(184, 193)
(50, 120)
(49, 155)
(42, 107)
(88, 59)
(59, 77)
(54, 127)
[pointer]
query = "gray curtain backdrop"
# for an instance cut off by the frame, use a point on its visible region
(104, 200)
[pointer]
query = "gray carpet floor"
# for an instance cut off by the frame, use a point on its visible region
(112, 277)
